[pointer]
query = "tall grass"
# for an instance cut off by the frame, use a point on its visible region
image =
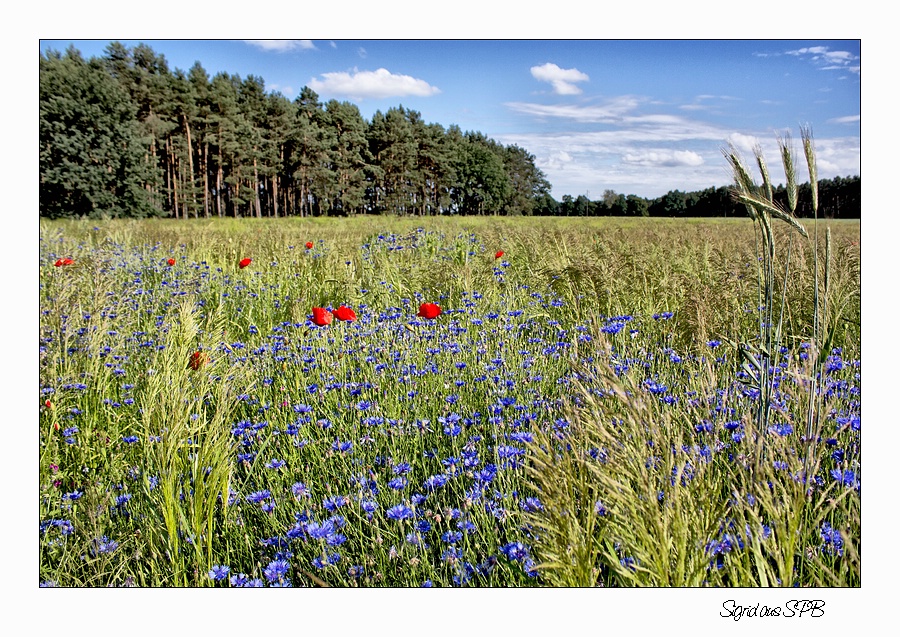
(654, 492)
(504, 421)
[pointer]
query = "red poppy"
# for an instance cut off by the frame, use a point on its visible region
(429, 310)
(48, 404)
(344, 314)
(499, 254)
(61, 262)
(244, 263)
(309, 245)
(171, 261)
(198, 360)
(321, 316)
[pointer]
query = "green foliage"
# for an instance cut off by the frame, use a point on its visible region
(90, 148)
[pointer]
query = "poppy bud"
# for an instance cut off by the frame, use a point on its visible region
(198, 360)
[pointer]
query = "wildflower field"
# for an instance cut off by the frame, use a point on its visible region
(488, 402)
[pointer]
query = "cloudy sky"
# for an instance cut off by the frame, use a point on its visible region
(635, 116)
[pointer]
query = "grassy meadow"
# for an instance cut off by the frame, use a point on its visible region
(604, 403)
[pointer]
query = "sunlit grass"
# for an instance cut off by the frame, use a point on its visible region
(308, 445)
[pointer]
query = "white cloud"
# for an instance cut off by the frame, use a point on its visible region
(828, 60)
(562, 80)
(743, 143)
(650, 161)
(663, 158)
(371, 84)
(282, 46)
(612, 111)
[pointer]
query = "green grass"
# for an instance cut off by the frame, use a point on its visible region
(542, 316)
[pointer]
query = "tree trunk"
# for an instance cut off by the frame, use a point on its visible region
(205, 162)
(219, 188)
(175, 187)
(190, 149)
(256, 189)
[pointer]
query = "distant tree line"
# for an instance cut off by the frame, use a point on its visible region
(123, 135)
(838, 198)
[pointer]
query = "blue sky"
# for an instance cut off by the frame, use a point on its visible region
(636, 116)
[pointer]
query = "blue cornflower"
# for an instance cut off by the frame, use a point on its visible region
(782, 429)
(259, 496)
(239, 580)
(333, 503)
(423, 526)
(531, 505)
(275, 463)
(401, 469)
(369, 506)
(356, 571)
(486, 474)
(847, 477)
(451, 537)
(320, 531)
(341, 447)
(335, 539)
(397, 483)
(104, 545)
(515, 551)
(399, 512)
(435, 482)
(465, 525)
(834, 543)
(218, 572)
(130, 440)
(276, 570)
(300, 491)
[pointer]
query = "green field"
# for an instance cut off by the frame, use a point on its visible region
(579, 414)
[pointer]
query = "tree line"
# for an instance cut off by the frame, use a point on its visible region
(123, 135)
(838, 198)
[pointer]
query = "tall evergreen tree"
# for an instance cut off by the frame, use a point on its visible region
(90, 147)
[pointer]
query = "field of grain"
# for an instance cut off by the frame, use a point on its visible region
(501, 402)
